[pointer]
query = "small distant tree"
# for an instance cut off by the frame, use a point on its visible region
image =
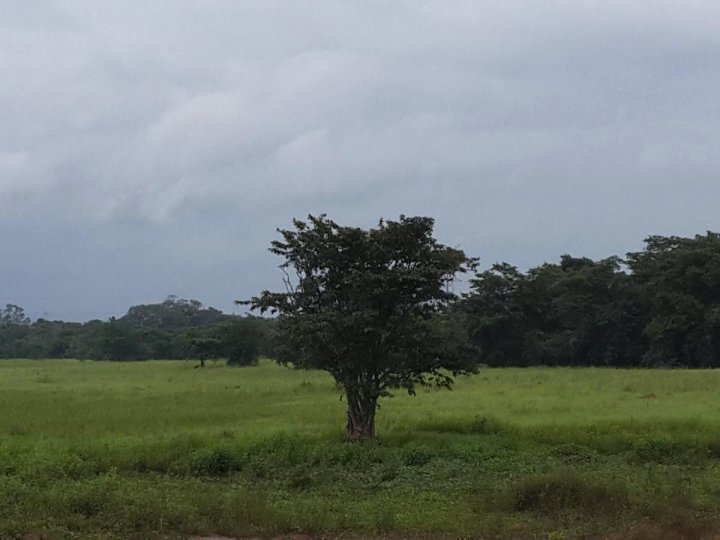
(366, 306)
(12, 315)
(204, 348)
(241, 339)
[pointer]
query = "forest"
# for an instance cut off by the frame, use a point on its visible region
(173, 329)
(659, 307)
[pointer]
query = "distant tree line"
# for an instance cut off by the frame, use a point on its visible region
(173, 329)
(657, 307)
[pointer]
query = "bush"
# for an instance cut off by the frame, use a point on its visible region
(419, 456)
(564, 492)
(574, 453)
(661, 450)
(213, 463)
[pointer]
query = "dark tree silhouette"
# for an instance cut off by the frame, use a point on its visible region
(364, 305)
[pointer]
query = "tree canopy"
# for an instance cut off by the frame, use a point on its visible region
(680, 279)
(12, 315)
(658, 307)
(174, 328)
(364, 305)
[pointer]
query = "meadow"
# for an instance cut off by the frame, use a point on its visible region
(160, 449)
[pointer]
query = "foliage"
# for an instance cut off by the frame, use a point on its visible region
(173, 313)
(565, 492)
(576, 312)
(244, 340)
(175, 328)
(12, 315)
(681, 279)
(661, 307)
(364, 307)
(658, 307)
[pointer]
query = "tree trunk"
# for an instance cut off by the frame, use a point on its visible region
(360, 416)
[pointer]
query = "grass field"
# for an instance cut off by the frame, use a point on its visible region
(159, 449)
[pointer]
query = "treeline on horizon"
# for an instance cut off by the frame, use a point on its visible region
(173, 329)
(659, 307)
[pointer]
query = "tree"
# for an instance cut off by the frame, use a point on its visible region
(680, 278)
(365, 306)
(241, 339)
(117, 341)
(577, 312)
(171, 314)
(13, 315)
(204, 348)
(494, 316)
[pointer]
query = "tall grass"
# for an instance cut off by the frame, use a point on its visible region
(160, 448)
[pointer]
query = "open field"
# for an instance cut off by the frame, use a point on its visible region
(159, 449)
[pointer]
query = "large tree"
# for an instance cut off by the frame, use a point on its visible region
(680, 278)
(577, 312)
(367, 306)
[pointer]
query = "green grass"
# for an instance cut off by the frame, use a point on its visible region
(159, 449)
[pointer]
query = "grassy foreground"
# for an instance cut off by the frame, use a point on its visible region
(159, 449)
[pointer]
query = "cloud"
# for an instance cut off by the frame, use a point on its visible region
(182, 127)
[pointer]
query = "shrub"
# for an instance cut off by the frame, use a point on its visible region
(419, 456)
(213, 463)
(574, 453)
(661, 450)
(563, 492)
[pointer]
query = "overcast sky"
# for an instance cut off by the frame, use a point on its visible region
(150, 148)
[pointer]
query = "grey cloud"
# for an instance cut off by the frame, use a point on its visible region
(150, 148)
